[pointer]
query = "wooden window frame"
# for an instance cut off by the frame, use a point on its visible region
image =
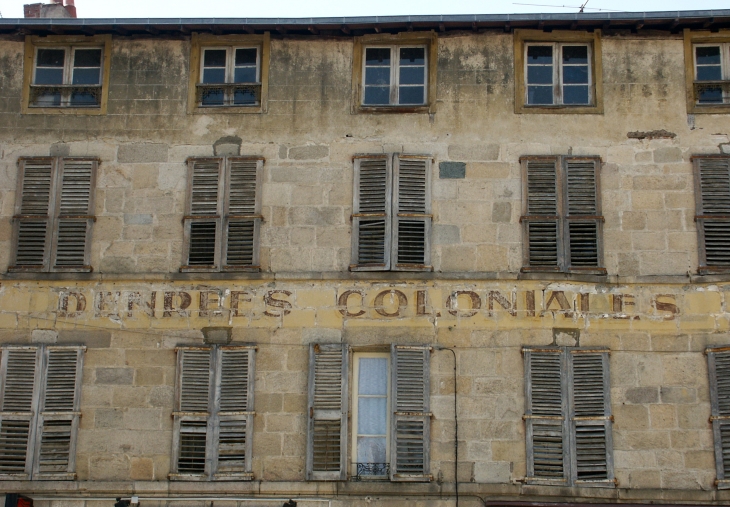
(720, 415)
(202, 41)
(33, 43)
(428, 40)
(702, 216)
(693, 39)
(524, 38)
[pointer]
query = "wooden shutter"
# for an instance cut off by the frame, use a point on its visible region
(712, 190)
(545, 421)
(202, 223)
(583, 221)
(371, 217)
(75, 209)
(411, 421)
(34, 214)
(541, 221)
(590, 413)
(58, 418)
(719, 368)
(412, 213)
(327, 427)
(18, 395)
(242, 219)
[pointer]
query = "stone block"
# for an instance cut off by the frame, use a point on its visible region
(446, 234)
(137, 219)
(141, 469)
(667, 155)
(663, 416)
(150, 376)
(476, 151)
(489, 472)
(227, 146)
(312, 152)
(109, 418)
(645, 479)
(633, 221)
(452, 170)
(140, 153)
(642, 395)
(115, 376)
(92, 339)
(220, 335)
(323, 216)
(631, 417)
(678, 395)
(458, 258)
(60, 150)
(43, 336)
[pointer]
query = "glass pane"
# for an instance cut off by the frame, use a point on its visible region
(412, 75)
(575, 54)
(377, 75)
(215, 58)
(711, 95)
(87, 58)
(412, 56)
(372, 416)
(44, 75)
(411, 95)
(48, 99)
(575, 95)
(377, 95)
(86, 76)
(246, 56)
(214, 75)
(539, 94)
(371, 450)
(212, 97)
(245, 75)
(50, 57)
(244, 98)
(577, 74)
(539, 54)
(373, 376)
(708, 55)
(540, 75)
(83, 99)
(709, 73)
(377, 56)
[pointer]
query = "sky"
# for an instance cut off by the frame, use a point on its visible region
(322, 8)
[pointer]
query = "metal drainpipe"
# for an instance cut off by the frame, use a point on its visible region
(456, 431)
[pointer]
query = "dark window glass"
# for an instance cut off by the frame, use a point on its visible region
(245, 75)
(412, 75)
(375, 95)
(242, 97)
(539, 55)
(412, 56)
(86, 76)
(710, 95)
(212, 97)
(540, 75)
(48, 76)
(214, 58)
(83, 99)
(575, 95)
(709, 73)
(539, 94)
(87, 58)
(214, 75)
(51, 57)
(377, 56)
(575, 54)
(410, 95)
(575, 74)
(708, 55)
(377, 75)
(246, 56)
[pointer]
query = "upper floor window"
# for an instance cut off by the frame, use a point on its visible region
(707, 71)
(712, 191)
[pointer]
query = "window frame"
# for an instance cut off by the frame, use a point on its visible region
(34, 43)
(395, 74)
(558, 38)
(692, 40)
(203, 41)
(558, 66)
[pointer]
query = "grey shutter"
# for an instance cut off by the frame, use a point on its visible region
(18, 395)
(34, 214)
(545, 421)
(327, 426)
(371, 222)
(202, 223)
(583, 221)
(242, 219)
(712, 188)
(411, 421)
(233, 415)
(192, 424)
(542, 221)
(412, 213)
(75, 205)
(719, 368)
(592, 456)
(58, 418)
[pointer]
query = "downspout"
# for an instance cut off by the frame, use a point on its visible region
(456, 431)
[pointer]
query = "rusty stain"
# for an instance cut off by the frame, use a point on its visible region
(402, 302)
(63, 304)
(475, 300)
(270, 300)
(181, 310)
(236, 300)
(665, 306)
(510, 306)
(652, 134)
(342, 302)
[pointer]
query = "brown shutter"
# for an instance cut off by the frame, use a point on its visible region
(584, 223)
(327, 427)
(242, 220)
(411, 421)
(712, 190)
(202, 223)
(412, 213)
(719, 368)
(371, 223)
(542, 221)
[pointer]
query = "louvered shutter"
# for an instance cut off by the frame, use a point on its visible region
(327, 426)
(202, 223)
(542, 221)
(545, 421)
(411, 422)
(371, 218)
(583, 221)
(18, 395)
(412, 213)
(719, 368)
(242, 219)
(590, 414)
(233, 415)
(712, 188)
(34, 214)
(58, 418)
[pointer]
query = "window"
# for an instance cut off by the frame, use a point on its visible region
(557, 72)
(712, 73)
(54, 214)
(391, 213)
(568, 417)
(712, 188)
(223, 216)
(40, 390)
(391, 418)
(67, 74)
(229, 74)
(718, 359)
(562, 220)
(213, 417)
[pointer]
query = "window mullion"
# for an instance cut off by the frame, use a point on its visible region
(558, 72)
(394, 66)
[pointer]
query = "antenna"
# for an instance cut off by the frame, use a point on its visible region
(581, 8)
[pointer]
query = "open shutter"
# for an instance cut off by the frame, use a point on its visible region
(192, 424)
(327, 427)
(242, 214)
(58, 419)
(233, 417)
(34, 214)
(719, 367)
(592, 460)
(545, 422)
(541, 222)
(584, 223)
(18, 392)
(371, 222)
(75, 215)
(712, 188)
(411, 422)
(202, 223)
(412, 213)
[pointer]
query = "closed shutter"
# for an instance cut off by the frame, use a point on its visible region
(202, 223)
(371, 218)
(242, 219)
(411, 421)
(584, 223)
(412, 213)
(327, 426)
(719, 368)
(712, 188)
(592, 459)
(542, 221)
